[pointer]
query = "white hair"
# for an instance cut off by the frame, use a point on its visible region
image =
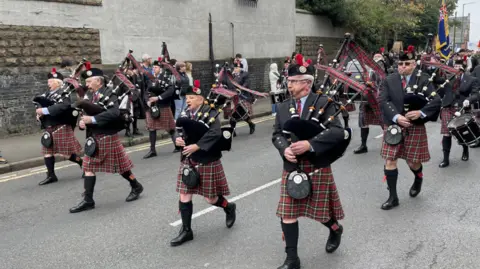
(304, 77)
(145, 57)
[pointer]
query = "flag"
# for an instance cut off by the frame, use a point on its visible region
(443, 39)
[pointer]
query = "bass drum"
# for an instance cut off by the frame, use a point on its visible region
(465, 129)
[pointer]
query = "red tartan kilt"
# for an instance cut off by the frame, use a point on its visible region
(349, 107)
(212, 180)
(369, 118)
(321, 205)
(64, 141)
(111, 156)
(164, 122)
(446, 114)
(414, 147)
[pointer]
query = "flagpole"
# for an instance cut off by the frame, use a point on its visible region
(454, 32)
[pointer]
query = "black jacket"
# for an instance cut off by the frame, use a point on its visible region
(468, 89)
(109, 121)
(162, 86)
(59, 114)
(209, 139)
(392, 98)
(320, 143)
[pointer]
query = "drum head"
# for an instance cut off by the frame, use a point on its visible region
(460, 121)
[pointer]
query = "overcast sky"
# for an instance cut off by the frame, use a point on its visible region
(474, 10)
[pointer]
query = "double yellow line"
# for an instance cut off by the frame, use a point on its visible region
(140, 147)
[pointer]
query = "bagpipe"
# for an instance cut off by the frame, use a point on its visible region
(193, 129)
(70, 85)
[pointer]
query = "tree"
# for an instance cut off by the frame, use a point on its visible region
(333, 9)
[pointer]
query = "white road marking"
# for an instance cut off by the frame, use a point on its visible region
(243, 195)
(379, 136)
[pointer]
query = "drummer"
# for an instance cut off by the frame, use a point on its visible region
(465, 91)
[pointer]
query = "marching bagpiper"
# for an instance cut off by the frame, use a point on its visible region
(405, 110)
(322, 203)
(59, 125)
(104, 151)
(464, 90)
(159, 115)
(201, 171)
(246, 99)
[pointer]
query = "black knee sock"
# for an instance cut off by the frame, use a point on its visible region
(186, 210)
(221, 202)
(50, 164)
(418, 176)
(465, 149)
(153, 139)
(446, 146)
(134, 124)
(233, 123)
(76, 159)
(89, 185)
(290, 232)
(364, 135)
(332, 225)
(392, 176)
(130, 177)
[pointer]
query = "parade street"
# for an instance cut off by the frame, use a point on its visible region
(438, 229)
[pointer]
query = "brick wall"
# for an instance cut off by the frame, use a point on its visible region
(27, 53)
(78, 2)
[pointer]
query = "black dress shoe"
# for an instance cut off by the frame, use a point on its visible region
(231, 214)
(176, 149)
(185, 235)
(135, 193)
(416, 188)
(390, 203)
(150, 154)
(290, 264)
(444, 164)
(361, 149)
(334, 239)
(137, 133)
(128, 133)
(252, 127)
(465, 156)
(82, 206)
(50, 179)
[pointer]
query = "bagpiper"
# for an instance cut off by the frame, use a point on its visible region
(104, 151)
(322, 203)
(59, 125)
(405, 111)
(201, 171)
(159, 115)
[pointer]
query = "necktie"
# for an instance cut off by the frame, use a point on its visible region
(299, 107)
(404, 82)
(95, 98)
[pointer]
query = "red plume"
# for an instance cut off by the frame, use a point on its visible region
(54, 70)
(299, 59)
(411, 48)
(465, 58)
(382, 50)
(88, 65)
(478, 45)
(160, 59)
(309, 61)
(196, 83)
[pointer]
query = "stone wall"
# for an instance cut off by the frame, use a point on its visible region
(308, 46)
(78, 2)
(26, 46)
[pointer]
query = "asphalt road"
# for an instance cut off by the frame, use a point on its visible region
(438, 229)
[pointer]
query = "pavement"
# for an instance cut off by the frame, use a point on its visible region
(438, 229)
(23, 152)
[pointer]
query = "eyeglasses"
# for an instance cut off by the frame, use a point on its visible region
(404, 63)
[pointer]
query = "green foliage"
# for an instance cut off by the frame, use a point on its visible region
(376, 23)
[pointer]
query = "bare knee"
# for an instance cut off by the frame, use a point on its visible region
(211, 200)
(391, 164)
(89, 174)
(289, 221)
(414, 166)
(185, 198)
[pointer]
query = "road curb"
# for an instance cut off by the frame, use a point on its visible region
(38, 161)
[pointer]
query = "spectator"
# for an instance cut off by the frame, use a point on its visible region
(189, 72)
(2, 160)
(274, 76)
(243, 61)
(147, 63)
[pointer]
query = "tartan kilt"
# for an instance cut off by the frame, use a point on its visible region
(64, 141)
(111, 156)
(349, 107)
(164, 122)
(414, 147)
(367, 117)
(446, 114)
(212, 180)
(321, 205)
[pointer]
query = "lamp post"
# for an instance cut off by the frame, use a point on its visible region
(463, 19)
